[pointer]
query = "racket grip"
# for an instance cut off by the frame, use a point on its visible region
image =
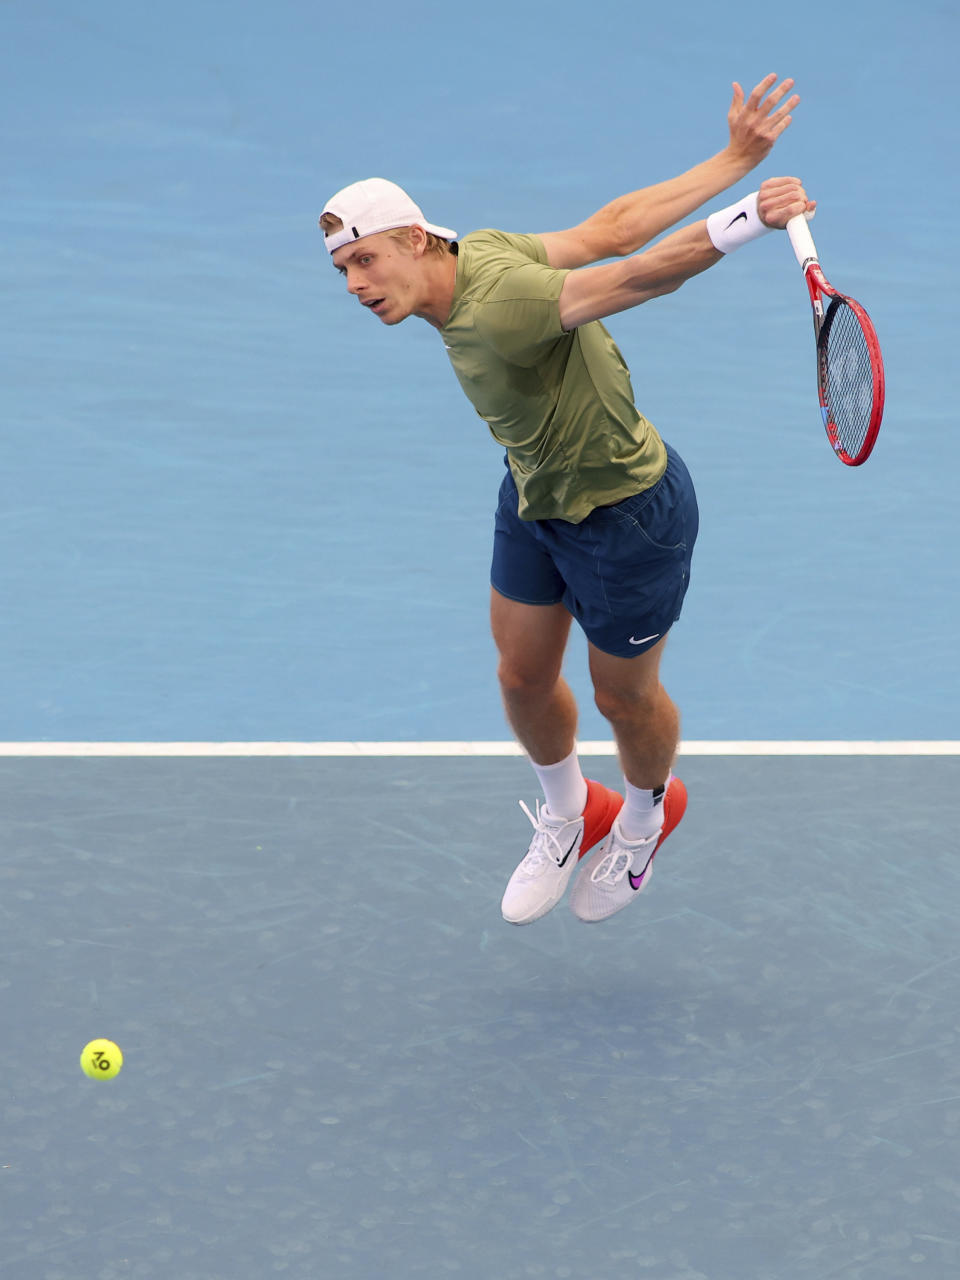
(798, 229)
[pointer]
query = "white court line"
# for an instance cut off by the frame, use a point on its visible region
(358, 749)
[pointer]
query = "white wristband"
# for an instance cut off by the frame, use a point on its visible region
(729, 228)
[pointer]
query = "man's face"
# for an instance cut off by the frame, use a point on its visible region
(382, 273)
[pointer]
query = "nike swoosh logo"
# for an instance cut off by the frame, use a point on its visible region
(637, 881)
(740, 215)
(563, 860)
(645, 638)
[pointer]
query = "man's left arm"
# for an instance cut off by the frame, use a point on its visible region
(592, 293)
(626, 224)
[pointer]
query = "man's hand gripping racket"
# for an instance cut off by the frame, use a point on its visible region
(849, 362)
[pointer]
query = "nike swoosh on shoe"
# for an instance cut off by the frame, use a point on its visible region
(563, 860)
(636, 882)
(674, 807)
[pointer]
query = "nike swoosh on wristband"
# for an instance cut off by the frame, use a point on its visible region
(637, 881)
(645, 638)
(742, 214)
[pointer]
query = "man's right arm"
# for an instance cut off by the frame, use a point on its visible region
(631, 221)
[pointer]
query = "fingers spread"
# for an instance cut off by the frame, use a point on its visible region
(779, 127)
(781, 90)
(786, 108)
(757, 122)
(760, 89)
(765, 105)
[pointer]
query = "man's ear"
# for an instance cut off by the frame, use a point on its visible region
(418, 240)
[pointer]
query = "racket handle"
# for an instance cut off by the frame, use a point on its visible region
(798, 229)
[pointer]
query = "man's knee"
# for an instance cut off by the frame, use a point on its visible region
(623, 704)
(521, 678)
(530, 641)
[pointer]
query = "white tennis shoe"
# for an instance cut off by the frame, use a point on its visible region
(541, 879)
(620, 869)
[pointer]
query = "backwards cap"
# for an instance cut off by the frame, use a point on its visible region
(375, 205)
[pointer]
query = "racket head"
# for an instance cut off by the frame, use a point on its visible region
(850, 379)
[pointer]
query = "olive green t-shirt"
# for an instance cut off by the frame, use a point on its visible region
(560, 403)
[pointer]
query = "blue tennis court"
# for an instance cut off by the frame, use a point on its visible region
(340, 1062)
(236, 510)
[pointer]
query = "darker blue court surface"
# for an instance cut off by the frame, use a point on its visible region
(341, 1063)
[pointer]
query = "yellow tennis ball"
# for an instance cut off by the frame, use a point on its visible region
(101, 1059)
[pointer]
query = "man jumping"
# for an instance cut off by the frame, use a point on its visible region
(597, 515)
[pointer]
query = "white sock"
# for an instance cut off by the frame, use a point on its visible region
(564, 786)
(642, 814)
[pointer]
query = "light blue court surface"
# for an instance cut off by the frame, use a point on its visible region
(234, 508)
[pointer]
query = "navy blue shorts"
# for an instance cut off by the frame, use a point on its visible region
(622, 572)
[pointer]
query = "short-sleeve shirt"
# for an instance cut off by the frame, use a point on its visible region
(560, 403)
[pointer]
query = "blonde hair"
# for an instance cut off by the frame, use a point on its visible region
(434, 243)
(329, 223)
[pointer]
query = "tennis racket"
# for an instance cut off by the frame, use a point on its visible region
(849, 362)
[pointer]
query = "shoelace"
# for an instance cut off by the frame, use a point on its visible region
(540, 850)
(617, 863)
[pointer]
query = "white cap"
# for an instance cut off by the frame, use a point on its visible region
(375, 205)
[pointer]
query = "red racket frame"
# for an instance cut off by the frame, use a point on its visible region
(819, 288)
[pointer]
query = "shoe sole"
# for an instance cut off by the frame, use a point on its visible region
(674, 807)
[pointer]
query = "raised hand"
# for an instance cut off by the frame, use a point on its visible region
(758, 121)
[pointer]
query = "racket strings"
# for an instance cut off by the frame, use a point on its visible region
(847, 376)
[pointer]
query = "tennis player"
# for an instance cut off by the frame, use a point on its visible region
(597, 515)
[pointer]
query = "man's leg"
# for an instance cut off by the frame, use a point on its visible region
(644, 719)
(541, 710)
(543, 715)
(646, 726)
